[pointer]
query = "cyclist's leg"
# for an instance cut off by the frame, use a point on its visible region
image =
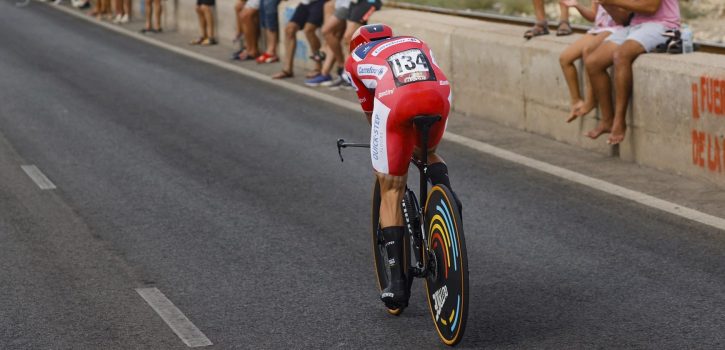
(391, 147)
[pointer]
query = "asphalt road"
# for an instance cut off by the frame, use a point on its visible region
(228, 196)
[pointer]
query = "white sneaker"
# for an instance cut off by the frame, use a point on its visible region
(57, 2)
(117, 19)
(124, 19)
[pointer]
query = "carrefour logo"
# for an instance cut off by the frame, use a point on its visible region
(372, 69)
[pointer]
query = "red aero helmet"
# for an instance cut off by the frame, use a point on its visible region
(368, 33)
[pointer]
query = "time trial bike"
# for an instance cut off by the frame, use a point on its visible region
(434, 234)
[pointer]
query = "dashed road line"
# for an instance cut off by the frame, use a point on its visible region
(177, 321)
(38, 177)
(639, 197)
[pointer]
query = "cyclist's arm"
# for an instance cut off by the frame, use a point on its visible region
(364, 95)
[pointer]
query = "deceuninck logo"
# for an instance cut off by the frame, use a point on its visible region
(382, 47)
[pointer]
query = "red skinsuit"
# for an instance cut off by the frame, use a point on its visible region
(396, 80)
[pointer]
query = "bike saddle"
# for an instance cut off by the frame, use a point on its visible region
(425, 121)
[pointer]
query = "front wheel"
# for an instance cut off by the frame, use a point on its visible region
(447, 281)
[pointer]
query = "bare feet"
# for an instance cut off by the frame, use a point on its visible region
(616, 137)
(602, 128)
(585, 108)
(575, 111)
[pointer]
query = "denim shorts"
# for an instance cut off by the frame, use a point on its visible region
(268, 15)
(649, 35)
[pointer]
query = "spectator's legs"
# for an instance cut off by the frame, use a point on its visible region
(290, 33)
(272, 41)
(238, 7)
(567, 59)
(624, 56)
(202, 20)
(541, 26)
(157, 14)
(127, 8)
(564, 26)
(564, 13)
(209, 19)
(596, 65)
(250, 21)
(590, 100)
(332, 31)
(271, 24)
(539, 11)
(314, 41)
(148, 13)
(349, 31)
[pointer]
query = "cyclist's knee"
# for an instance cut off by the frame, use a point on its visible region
(391, 182)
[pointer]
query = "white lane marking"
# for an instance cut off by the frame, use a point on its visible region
(187, 331)
(597, 184)
(38, 177)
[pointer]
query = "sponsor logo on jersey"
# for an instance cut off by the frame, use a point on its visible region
(416, 76)
(376, 138)
(439, 298)
(363, 100)
(372, 69)
(387, 45)
(444, 82)
(385, 93)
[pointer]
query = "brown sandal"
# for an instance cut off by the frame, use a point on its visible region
(283, 74)
(564, 29)
(539, 28)
(197, 41)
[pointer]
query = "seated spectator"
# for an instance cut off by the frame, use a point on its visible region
(541, 27)
(651, 19)
(333, 30)
(270, 23)
(307, 16)
(153, 11)
(604, 25)
(205, 14)
(250, 30)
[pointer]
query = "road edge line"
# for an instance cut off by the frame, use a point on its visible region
(594, 183)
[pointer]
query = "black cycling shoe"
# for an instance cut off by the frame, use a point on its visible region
(395, 296)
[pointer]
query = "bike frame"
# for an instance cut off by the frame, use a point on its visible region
(414, 222)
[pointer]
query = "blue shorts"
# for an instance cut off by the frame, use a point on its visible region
(268, 15)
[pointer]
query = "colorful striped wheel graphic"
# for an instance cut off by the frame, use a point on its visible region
(447, 285)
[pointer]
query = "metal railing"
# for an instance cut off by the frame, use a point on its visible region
(492, 17)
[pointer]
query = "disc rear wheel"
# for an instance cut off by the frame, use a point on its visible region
(447, 282)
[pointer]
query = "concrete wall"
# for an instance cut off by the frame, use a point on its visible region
(498, 75)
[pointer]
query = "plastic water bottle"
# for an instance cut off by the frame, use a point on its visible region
(687, 45)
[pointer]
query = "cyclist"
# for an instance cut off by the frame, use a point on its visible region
(397, 79)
